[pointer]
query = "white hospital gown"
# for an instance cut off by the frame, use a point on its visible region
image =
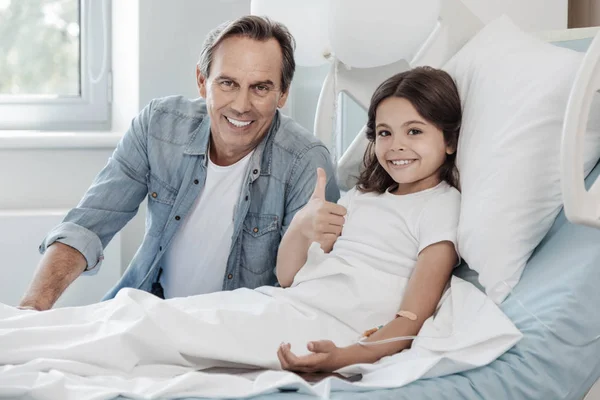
(335, 296)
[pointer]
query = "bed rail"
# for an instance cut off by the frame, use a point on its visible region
(581, 206)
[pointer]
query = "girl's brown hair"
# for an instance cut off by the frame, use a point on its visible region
(434, 95)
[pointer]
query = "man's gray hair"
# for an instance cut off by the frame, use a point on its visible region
(257, 28)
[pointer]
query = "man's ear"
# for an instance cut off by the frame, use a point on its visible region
(282, 100)
(200, 82)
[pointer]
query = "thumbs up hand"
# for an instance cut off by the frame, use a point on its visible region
(319, 192)
(321, 221)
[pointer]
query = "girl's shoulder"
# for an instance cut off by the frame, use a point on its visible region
(444, 196)
(442, 204)
(448, 192)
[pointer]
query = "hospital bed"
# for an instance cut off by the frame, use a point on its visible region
(554, 306)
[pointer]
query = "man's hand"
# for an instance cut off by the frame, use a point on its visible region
(319, 220)
(325, 357)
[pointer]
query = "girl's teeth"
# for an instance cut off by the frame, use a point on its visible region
(402, 162)
(237, 123)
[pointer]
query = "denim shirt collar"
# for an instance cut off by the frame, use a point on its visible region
(262, 157)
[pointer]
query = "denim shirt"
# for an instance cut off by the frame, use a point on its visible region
(163, 156)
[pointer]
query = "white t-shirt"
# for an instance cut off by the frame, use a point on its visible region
(362, 281)
(196, 260)
(387, 231)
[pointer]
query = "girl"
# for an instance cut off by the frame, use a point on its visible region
(388, 268)
(400, 220)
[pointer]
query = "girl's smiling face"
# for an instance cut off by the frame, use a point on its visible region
(408, 147)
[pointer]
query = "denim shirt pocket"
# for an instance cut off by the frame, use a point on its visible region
(260, 240)
(161, 198)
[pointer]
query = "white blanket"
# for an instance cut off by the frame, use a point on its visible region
(139, 346)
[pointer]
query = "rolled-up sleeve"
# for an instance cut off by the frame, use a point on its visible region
(80, 238)
(112, 199)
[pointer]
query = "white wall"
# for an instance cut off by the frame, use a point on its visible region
(171, 36)
(530, 15)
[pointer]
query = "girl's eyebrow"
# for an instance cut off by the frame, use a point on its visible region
(382, 125)
(414, 121)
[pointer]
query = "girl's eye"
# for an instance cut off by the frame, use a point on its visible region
(414, 132)
(383, 133)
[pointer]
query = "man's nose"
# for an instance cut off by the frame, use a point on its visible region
(241, 102)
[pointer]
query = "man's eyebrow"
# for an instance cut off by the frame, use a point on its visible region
(268, 82)
(225, 77)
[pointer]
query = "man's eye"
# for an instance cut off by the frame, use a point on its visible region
(262, 88)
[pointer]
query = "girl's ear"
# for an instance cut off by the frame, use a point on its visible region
(451, 146)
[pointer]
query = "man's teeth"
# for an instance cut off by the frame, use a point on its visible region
(401, 162)
(237, 123)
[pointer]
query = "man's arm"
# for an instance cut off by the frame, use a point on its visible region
(58, 268)
(77, 244)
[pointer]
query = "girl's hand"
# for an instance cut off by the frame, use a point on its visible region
(319, 220)
(325, 357)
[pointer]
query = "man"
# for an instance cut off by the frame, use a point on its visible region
(224, 176)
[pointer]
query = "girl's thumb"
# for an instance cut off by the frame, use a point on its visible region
(322, 346)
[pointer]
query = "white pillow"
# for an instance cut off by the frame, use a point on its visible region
(514, 90)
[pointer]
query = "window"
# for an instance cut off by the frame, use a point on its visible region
(54, 64)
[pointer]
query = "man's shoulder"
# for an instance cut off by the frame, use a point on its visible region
(180, 106)
(294, 139)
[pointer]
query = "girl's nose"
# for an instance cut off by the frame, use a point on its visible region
(398, 143)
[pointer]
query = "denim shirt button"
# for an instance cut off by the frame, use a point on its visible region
(196, 181)
(177, 217)
(229, 276)
(154, 195)
(255, 172)
(255, 230)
